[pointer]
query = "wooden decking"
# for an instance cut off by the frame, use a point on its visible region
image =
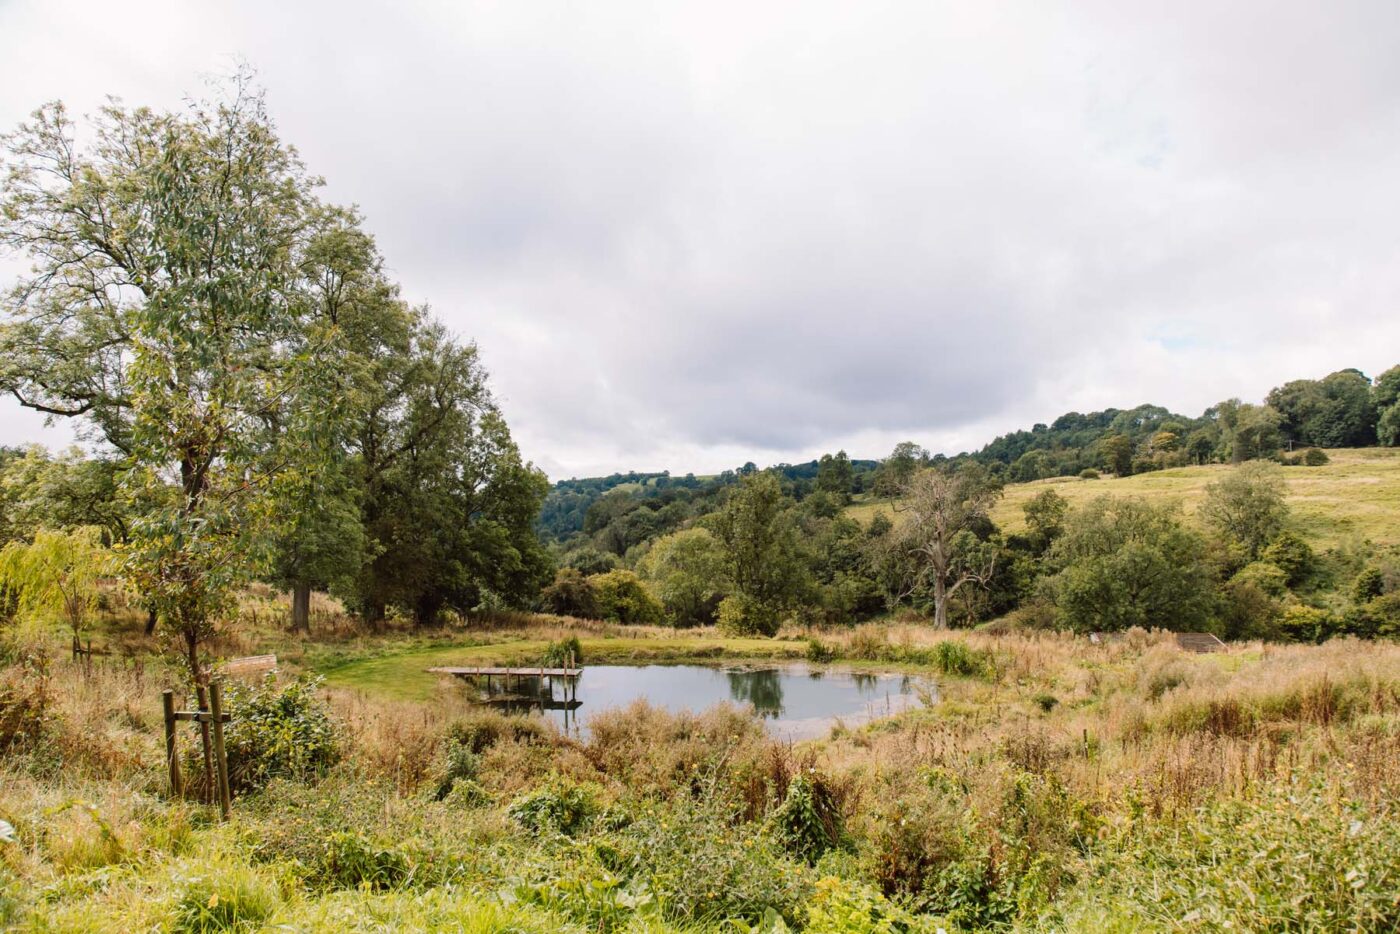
(482, 672)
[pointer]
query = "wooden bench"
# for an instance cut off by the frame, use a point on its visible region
(250, 666)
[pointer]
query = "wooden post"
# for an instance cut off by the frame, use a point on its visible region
(216, 709)
(202, 695)
(172, 757)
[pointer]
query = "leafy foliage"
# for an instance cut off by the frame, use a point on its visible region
(54, 578)
(1124, 563)
(284, 732)
(623, 597)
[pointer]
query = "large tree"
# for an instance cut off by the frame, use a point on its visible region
(759, 551)
(168, 307)
(1386, 397)
(944, 508)
(1247, 432)
(1127, 562)
(448, 503)
(835, 475)
(1335, 411)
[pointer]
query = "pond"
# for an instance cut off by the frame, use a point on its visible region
(795, 702)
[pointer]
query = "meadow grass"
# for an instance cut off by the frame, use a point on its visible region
(1052, 784)
(1356, 496)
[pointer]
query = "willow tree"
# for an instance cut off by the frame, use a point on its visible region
(54, 578)
(170, 308)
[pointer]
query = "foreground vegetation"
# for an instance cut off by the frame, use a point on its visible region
(1054, 785)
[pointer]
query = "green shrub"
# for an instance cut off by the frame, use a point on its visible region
(955, 658)
(354, 861)
(482, 729)
(460, 765)
(1249, 604)
(840, 906)
(623, 597)
(1088, 473)
(1046, 702)
(1315, 457)
(1308, 624)
(1293, 556)
(692, 861)
(741, 615)
(277, 733)
(564, 809)
(819, 652)
(1369, 584)
(558, 654)
(1378, 617)
(808, 821)
(1287, 858)
(571, 594)
(1265, 575)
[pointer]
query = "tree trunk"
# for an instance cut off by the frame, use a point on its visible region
(151, 621)
(940, 603)
(191, 633)
(373, 614)
(301, 608)
(425, 611)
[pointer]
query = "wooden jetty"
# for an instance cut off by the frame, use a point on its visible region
(507, 673)
(522, 688)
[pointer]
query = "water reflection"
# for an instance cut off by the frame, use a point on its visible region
(761, 687)
(795, 702)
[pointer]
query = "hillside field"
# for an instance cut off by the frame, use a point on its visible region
(1356, 496)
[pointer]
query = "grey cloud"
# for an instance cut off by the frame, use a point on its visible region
(689, 235)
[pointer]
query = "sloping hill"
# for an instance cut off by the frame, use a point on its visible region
(1357, 495)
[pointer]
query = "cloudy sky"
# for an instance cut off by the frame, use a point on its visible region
(686, 236)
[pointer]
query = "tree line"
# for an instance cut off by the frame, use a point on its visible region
(765, 556)
(1343, 409)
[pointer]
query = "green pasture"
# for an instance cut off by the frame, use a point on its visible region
(1356, 496)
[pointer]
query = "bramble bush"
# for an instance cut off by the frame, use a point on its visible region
(277, 732)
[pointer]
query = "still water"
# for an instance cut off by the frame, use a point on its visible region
(795, 702)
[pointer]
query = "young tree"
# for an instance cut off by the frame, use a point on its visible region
(1045, 519)
(686, 569)
(943, 509)
(1247, 506)
(167, 308)
(54, 577)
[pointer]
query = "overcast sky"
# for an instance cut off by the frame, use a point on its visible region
(690, 236)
